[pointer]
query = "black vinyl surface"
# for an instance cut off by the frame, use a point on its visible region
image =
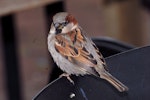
(131, 67)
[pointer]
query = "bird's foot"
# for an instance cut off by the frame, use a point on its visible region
(67, 76)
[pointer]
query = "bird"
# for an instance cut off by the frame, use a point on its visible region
(75, 53)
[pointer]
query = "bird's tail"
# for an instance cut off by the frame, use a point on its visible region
(116, 83)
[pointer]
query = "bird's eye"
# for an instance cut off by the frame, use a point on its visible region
(65, 23)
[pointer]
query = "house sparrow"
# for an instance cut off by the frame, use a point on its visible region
(75, 53)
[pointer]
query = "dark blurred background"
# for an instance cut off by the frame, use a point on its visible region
(25, 63)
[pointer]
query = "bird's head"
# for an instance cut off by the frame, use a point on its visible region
(63, 22)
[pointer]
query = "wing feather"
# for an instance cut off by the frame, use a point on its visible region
(71, 46)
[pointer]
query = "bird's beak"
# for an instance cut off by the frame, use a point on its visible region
(59, 29)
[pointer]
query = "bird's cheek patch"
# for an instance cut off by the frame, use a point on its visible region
(52, 30)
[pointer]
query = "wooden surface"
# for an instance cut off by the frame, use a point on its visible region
(13, 6)
(123, 21)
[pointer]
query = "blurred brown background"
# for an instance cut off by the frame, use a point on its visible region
(124, 20)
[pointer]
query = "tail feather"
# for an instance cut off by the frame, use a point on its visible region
(116, 83)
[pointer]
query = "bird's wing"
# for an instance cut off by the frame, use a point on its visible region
(66, 44)
(71, 46)
(101, 58)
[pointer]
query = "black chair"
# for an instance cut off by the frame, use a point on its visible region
(130, 67)
(109, 46)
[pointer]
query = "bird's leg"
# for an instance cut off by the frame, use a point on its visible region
(67, 76)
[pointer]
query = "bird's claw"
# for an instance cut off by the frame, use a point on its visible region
(67, 76)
